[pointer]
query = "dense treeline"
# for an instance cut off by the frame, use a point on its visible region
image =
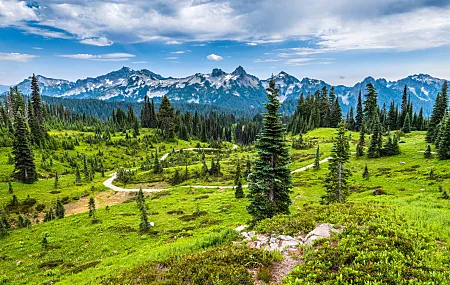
(322, 109)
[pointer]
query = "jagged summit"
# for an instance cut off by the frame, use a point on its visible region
(237, 89)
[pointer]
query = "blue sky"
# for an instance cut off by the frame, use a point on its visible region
(341, 41)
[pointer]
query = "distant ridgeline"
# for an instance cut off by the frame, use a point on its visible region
(235, 90)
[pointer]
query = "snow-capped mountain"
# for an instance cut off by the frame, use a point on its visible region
(237, 89)
(3, 88)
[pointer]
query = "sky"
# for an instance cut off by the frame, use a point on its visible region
(338, 41)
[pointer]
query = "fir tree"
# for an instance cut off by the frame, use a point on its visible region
(359, 119)
(56, 185)
(85, 170)
(44, 241)
(371, 106)
(437, 115)
(317, 159)
(239, 192)
(336, 181)
(37, 118)
(365, 174)
(166, 118)
(427, 154)
(360, 144)
(336, 114)
(157, 167)
(443, 149)
(59, 209)
(92, 207)
(237, 177)
(407, 124)
(143, 225)
(10, 188)
(375, 145)
(25, 169)
(77, 175)
(270, 180)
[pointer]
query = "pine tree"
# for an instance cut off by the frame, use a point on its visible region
(444, 139)
(56, 185)
(140, 198)
(25, 169)
(92, 207)
(407, 124)
(44, 241)
(427, 154)
(392, 117)
(238, 175)
(359, 113)
(10, 189)
(37, 119)
(365, 174)
(336, 181)
(166, 118)
(270, 180)
(375, 145)
(371, 107)
(404, 107)
(437, 115)
(336, 114)
(360, 144)
(239, 192)
(77, 175)
(157, 167)
(59, 209)
(85, 170)
(143, 225)
(317, 159)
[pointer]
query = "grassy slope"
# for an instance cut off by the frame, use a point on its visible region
(116, 244)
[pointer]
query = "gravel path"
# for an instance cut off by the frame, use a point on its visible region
(108, 183)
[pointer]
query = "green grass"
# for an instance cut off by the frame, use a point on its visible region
(82, 253)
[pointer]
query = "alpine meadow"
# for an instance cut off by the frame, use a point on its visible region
(114, 174)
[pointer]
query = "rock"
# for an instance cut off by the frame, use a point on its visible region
(321, 231)
(402, 162)
(251, 234)
(151, 224)
(289, 243)
(246, 236)
(18, 263)
(115, 251)
(241, 228)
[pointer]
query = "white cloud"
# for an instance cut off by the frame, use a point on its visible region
(172, 57)
(214, 57)
(173, 42)
(140, 62)
(12, 12)
(18, 57)
(100, 57)
(100, 42)
(37, 48)
(342, 25)
(266, 60)
(179, 52)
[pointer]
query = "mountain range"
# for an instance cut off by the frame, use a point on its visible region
(237, 89)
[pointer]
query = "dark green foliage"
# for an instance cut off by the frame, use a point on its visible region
(91, 206)
(239, 192)
(44, 241)
(10, 188)
(427, 154)
(376, 141)
(407, 125)
(59, 209)
(36, 114)
(166, 118)
(238, 174)
(77, 175)
(445, 196)
(225, 265)
(25, 169)
(270, 180)
(443, 146)
(438, 114)
(335, 114)
(360, 144)
(336, 183)
(14, 201)
(157, 167)
(4, 226)
(391, 147)
(371, 106)
(365, 174)
(317, 159)
(56, 184)
(49, 215)
(359, 119)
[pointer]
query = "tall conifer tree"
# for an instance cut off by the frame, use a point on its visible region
(270, 180)
(23, 155)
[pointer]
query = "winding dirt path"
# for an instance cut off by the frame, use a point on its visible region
(109, 182)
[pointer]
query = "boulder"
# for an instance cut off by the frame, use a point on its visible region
(321, 231)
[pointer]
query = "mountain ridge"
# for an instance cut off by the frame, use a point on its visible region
(237, 89)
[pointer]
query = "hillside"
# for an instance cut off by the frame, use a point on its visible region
(236, 90)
